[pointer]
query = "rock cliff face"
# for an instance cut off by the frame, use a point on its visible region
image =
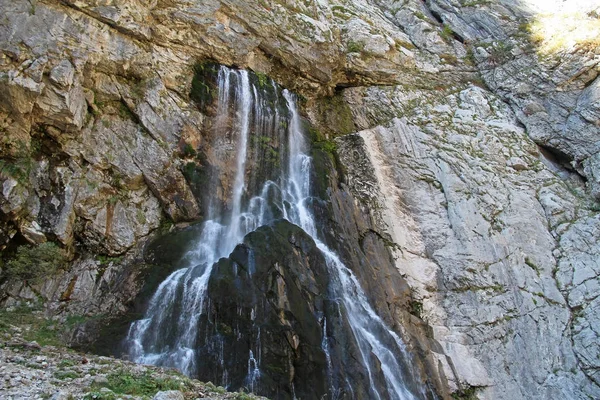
(466, 168)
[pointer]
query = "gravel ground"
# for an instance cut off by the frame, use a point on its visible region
(31, 371)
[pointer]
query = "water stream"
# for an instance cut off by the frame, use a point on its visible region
(167, 335)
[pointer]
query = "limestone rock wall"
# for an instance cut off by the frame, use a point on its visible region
(466, 197)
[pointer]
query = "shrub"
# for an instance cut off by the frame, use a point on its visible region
(145, 384)
(35, 262)
(355, 47)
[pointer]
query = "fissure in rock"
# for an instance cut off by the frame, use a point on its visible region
(260, 301)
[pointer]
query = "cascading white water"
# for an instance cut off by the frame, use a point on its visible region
(366, 325)
(187, 286)
(181, 296)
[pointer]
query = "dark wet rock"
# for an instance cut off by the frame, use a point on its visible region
(268, 298)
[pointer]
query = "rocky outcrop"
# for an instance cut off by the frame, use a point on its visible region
(277, 283)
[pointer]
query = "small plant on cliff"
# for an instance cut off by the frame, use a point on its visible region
(468, 393)
(35, 262)
(355, 47)
(447, 33)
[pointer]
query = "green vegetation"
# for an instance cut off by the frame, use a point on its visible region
(65, 363)
(215, 389)
(473, 3)
(328, 146)
(35, 262)
(94, 395)
(416, 308)
(145, 384)
(468, 393)
(532, 265)
(62, 375)
(335, 117)
(138, 88)
(18, 169)
(188, 151)
(203, 88)
(355, 47)
(263, 79)
(447, 33)
(105, 260)
(38, 329)
(449, 59)
(342, 12)
(321, 143)
(500, 52)
(470, 57)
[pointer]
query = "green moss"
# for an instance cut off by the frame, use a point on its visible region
(262, 79)
(335, 117)
(197, 176)
(125, 112)
(203, 90)
(328, 146)
(18, 169)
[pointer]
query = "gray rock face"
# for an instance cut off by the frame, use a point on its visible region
(465, 195)
(553, 89)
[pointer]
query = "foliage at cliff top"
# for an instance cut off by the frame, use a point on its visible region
(566, 31)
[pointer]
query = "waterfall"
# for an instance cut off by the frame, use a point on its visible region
(157, 339)
(167, 335)
(371, 333)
